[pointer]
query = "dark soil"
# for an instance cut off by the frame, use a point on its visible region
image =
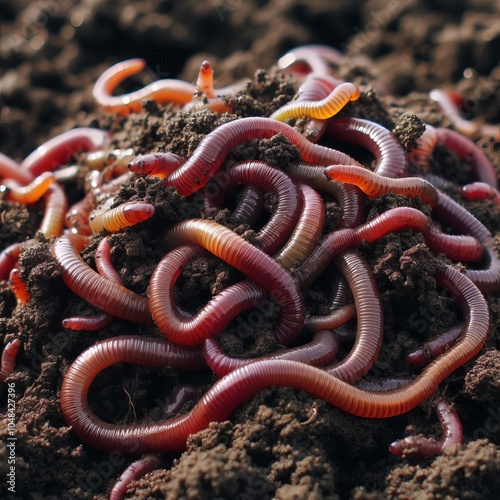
(282, 443)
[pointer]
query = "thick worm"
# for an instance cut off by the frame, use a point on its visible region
(125, 215)
(56, 205)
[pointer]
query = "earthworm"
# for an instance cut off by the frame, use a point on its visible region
(180, 395)
(347, 196)
(77, 217)
(125, 215)
(205, 81)
(214, 148)
(8, 362)
(9, 169)
(18, 286)
(394, 219)
(280, 225)
(241, 384)
(456, 247)
(340, 296)
(114, 185)
(100, 292)
(57, 151)
(156, 164)
(370, 323)
(250, 205)
(99, 160)
(374, 185)
(307, 232)
(481, 191)
(9, 257)
(183, 329)
(330, 321)
(322, 349)
(103, 261)
(424, 146)
(31, 193)
(380, 142)
(56, 205)
(436, 346)
(136, 470)
(464, 147)
(67, 174)
(162, 91)
(315, 57)
(90, 323)
(320, 110)
(419, 446)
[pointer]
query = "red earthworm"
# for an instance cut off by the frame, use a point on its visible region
(435, 347)
(180, 395)
(461, 220)
(464, 147)
(29, 194)
(136, 470)
(315, 57)
(240, 385)
(125, 215)
(90, 323)
(481, 191)
(57, 151)
(456, 247)
(103, 261)
(8, 362)
(90, 286)
(375, 185)
(18, 286)
(214, 148)
(370, 323)
(183, 329)
(320, 110)
(340, 296)
(9, 169)
(10, 255)
(380, 142)
(307, 232)
(56, 205)
(348, 197)
(77, 217)
(278, 228)
(205, 81)
(424, 147)
(395, 219)
(162, 91)
(330, 321)
(250, 205)
(156, 164)
(322, 349)
(420, 446)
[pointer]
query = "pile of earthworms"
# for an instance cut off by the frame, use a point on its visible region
(289, 252)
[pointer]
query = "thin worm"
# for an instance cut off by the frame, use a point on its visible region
(9, 257)
(56, 205)
(205, 81)
(8, 362)
(156, 164)
(162, 91)
(215, 147)
(436, 346)
(27, 195)
(100, 292)
(307, 232)
(456, 247)
(89, 323)
(330, 321)
(319, 110)
(240, 385)
(184, 329)
(347, 196)
(18, 286)
(67, 174)
(322, 349)
(421, 153)
(380, 142)
(99, 160)
(375, 185)
(481, 191)
(59, 150)
(9, 169)
(180, 395)
(103, 261)
(77, 217)
(315, 57)
(278, 228)
(125, 215)
(420, 446)
(250, 205)
(134, 471)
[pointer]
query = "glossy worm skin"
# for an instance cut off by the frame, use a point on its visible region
(31, 193)
(59, 150)
(77, 217)
(8, 361)
(180, 395)
(250, 205)
(214, 148)
(456, 247)
(18, 286)
(435, 347)
(380, 142)
(9, 169)
(56, 205)
(241, 384)
(9, 257)
(374, 185)
(481, 191)
(205, 81)
(278, 228)
(156, 164)
(319, 351)
(162, 91)
(336, 318)
(422, 151)
(319, 110)
(134, 471)
(419, 446)
(315, 57)
(100, 292)
(125, 215)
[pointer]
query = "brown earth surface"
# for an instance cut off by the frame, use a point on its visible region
(282, 443)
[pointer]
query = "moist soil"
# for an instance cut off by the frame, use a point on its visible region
(282, 443)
